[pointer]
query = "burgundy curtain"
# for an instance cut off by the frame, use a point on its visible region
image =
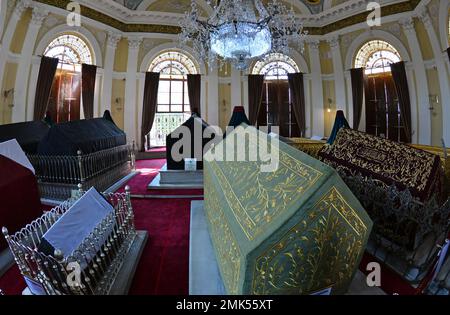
(357, 76)
(150, 104)
(44, 84)
(298, 100)
(401, 86)
(88, 77)
(255, 96)
(194, 82)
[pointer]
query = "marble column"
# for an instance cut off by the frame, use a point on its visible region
(236, 89)
(21, 6)
(20, 97)
(317, 106)
(339, 78)
(130, 108)
(108, 69)
(213, 97)
(423, 112)
(348, 86)
(442, 72)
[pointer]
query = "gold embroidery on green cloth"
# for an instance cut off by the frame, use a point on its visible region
(223, 238)
(263, 196)
(312, 240)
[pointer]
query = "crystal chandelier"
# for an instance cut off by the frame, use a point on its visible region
(241, 31)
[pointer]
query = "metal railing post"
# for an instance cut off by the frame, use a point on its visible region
(80, 166)
(133, 156)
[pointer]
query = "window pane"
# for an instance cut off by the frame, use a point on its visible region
(187, 109)
(186, 99)
(163, 108)
(164, 86)
(163, 98)
(177, 98)
(177, 86)
(177, 108)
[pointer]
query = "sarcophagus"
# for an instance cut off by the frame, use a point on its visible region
(400, 187)
(192, 136)
(293, 228)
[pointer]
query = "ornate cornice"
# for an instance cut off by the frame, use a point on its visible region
(113, 22)
(169, 21)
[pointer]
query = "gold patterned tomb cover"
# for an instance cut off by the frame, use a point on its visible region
(295, 230)
(386, 161)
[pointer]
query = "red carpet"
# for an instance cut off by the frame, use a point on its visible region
(148, 170)
(164, 266)
(12, 282)
(159, 149)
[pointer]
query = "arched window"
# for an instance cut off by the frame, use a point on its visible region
(376, 57)
(276, 109)
(276, 66)
(65, 98)
(383, 114)
(173, 99)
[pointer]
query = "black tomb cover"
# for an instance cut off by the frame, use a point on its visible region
(27, 134)
(192, 123)
(91, 135)
(239, 117)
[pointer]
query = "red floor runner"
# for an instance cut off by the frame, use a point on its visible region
(164, 266)
(159, 149)
(148, 170)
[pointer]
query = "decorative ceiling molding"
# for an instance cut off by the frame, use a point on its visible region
(126, 20)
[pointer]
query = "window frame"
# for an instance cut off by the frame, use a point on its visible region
(184, 102)
(366, 55)
(183, 65)
(280, 66)
(81, 50)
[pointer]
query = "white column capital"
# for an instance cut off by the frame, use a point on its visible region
(113, 39)
(38, 16)
(333, 42)
(21, 6)
(407, 23)
(134, 42)
(424, 16)
(313, 44)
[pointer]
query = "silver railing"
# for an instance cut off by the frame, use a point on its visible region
(58, 176)
(100, 255)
